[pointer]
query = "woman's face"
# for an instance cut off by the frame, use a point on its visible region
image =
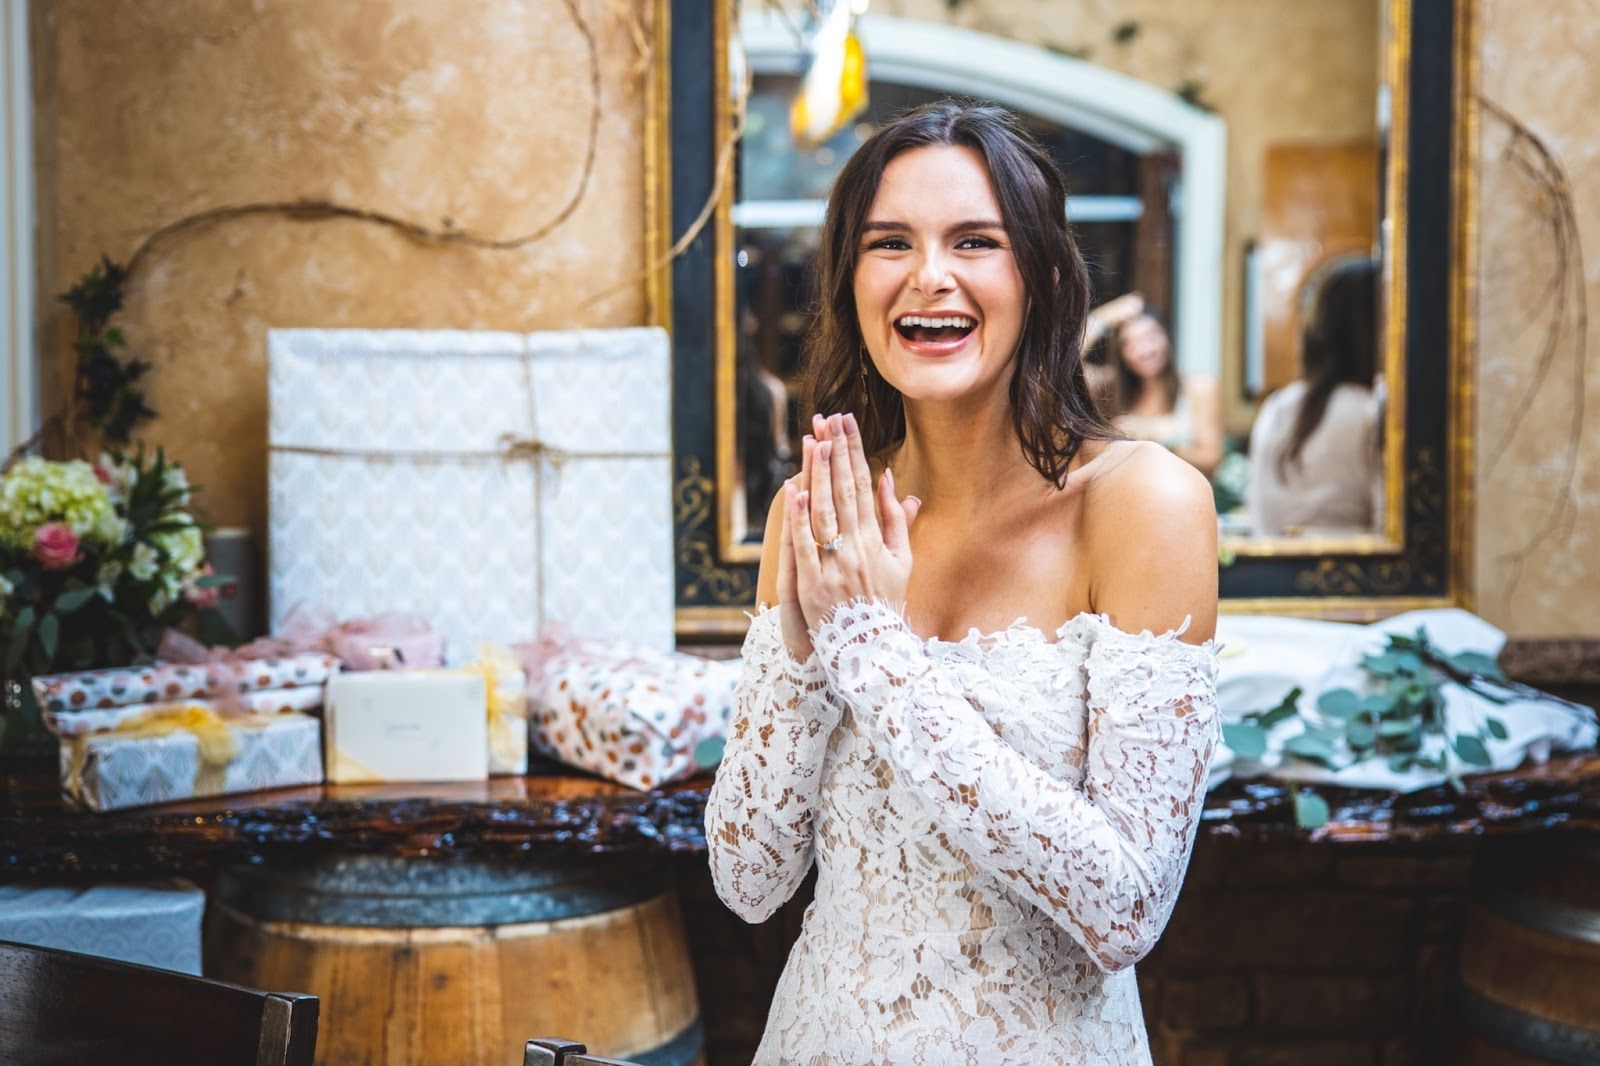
(938, 293)
(1145, 347)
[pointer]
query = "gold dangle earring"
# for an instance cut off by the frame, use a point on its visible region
(866, 397)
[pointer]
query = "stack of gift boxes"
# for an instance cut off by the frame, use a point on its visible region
(501, 486)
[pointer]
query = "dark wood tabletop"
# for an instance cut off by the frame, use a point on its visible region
(42, 836)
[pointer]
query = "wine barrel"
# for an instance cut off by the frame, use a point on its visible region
(1530, 954)
(421, 961)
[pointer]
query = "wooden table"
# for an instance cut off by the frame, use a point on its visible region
(43, 837)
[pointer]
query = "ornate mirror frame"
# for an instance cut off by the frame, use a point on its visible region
(1422, 559)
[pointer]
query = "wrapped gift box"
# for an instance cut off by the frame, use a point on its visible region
(153, 924)
(487, 481)
(136, 768)
(506, 698)
(264, 701)
(630, 714)
(407, 725)
(164, 682)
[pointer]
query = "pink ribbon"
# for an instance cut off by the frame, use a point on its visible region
(225, 669)
(362, 643)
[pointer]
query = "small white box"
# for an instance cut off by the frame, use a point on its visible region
(406, 725)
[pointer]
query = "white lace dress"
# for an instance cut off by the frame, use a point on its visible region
(1000, 826)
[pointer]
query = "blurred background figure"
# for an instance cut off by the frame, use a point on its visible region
(1316, 448)
(1140, 389)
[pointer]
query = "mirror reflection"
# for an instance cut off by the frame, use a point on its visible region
(1236, 249)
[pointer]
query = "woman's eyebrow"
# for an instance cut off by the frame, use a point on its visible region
(901, 227)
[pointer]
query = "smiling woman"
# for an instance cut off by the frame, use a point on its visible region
(1000, 824)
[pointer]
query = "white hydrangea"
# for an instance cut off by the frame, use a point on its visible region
(146, 560)
(185, 551)
(36, 491)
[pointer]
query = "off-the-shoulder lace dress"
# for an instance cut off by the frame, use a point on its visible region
(1000, 827)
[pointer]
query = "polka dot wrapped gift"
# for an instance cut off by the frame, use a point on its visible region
(631, 714)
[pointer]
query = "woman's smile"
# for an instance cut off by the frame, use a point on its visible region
(935, 334)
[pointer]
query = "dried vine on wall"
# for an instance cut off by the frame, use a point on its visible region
(1564, 303)
(305, 210)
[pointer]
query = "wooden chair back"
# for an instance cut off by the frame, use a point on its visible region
(553, 1051)
(59, 1008)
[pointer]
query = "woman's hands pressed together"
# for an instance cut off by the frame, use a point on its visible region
(835, 546)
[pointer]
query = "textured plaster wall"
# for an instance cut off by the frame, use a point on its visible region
(1275, 70)
(429, 110)
(1542, 70)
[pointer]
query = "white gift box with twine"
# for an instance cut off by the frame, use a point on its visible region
(487, 481)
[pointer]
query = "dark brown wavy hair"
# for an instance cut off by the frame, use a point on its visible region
(1339, 346)
(1052, 409)
(1128, 384)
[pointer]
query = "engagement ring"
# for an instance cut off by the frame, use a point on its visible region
(833, 545)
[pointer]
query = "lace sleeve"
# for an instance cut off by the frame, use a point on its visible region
(1106, 859)
(762, 804)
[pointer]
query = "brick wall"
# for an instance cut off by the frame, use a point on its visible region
(1302, 954)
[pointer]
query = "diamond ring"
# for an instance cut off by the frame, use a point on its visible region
(831, 546)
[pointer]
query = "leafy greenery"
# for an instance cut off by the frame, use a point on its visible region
(1404, 706)
(106, 389)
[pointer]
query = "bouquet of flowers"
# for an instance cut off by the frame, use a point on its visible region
(96, 562)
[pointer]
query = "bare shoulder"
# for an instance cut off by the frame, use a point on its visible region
(1150, 539)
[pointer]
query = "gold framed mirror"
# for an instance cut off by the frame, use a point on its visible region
(1244, 218)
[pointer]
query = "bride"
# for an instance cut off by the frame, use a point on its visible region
(996, 756)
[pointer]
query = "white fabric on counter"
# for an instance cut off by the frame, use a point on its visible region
(1265, 656)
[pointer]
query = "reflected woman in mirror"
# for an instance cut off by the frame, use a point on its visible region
(980, 692)
(1316, 455)
(1141, 390)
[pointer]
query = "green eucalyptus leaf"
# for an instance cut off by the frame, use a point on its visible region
(1496, 727)
(1410, 664)
(71, 600)
(49, 635)
(1338, 703)
(23, 623)
(1475, 662)
(1379, 704)
(1400, 762)
(1471, 750)
(1310, 810)
(1249, 741)
(1359, 735)
(1310, 747)
(1397, 727)
(708, 752)
(1333, 734)
(1381, 665)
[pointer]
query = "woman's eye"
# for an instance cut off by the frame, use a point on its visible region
(892, 244)
(978, 242)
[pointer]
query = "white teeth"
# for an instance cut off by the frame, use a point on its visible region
(956, 321)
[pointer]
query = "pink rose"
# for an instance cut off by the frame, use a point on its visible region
(102, 474)
(55, 545)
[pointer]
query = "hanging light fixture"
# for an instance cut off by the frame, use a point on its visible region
(833, 90)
